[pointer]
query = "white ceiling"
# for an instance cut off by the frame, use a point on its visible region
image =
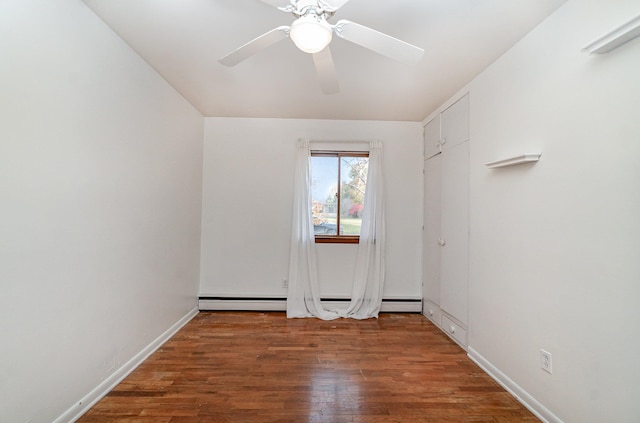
(182, 40)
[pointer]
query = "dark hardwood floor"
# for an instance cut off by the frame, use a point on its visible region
(262, 367)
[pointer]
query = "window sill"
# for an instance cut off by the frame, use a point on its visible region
(337, 239)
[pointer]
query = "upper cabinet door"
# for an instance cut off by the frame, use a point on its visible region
(455, 124)
(432, 138)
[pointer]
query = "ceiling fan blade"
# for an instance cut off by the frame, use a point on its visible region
(277, 3)
(332, 5)
(254, 46)
(377, 41)
(326, 71)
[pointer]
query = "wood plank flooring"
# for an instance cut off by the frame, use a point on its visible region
(261, 367)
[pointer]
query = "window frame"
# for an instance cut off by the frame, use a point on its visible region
(338, 239)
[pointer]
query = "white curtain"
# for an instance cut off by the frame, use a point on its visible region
(303, 298)
(368, 282)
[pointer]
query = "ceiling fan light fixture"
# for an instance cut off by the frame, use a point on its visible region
(310, 33)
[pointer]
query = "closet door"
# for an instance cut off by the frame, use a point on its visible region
(454, 250)
(455, 124)
(431, 233)
(432, 138)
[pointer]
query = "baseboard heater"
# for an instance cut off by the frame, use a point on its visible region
(389, 305)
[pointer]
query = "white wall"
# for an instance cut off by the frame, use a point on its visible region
(247, 201)
(100, 195)
(555, 246)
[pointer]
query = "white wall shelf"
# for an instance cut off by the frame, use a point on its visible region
(512, 161)
(615, 38)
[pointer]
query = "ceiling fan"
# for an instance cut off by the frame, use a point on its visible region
(312, 34)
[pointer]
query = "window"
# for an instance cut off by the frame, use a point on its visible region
(338, 183)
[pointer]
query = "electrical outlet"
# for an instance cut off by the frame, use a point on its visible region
(285, 283)
(545, 361)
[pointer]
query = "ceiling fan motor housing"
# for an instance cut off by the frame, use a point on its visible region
(301, 8)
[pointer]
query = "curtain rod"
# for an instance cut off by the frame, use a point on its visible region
(363, 144)
(341, 142)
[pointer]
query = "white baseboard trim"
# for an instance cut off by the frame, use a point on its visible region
(89, 400)
(533, 405)
(280, 304)
(254, 304)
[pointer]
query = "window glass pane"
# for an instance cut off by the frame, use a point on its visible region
(353, 180)
(324, 190)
